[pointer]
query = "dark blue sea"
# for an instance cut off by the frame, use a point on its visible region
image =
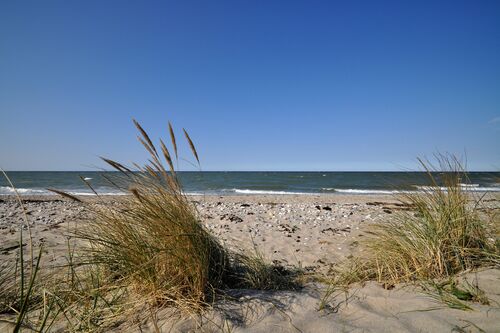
(232, 183)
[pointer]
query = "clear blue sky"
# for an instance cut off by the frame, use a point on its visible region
(260, 85)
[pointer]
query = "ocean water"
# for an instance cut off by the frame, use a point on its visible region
(227, 183)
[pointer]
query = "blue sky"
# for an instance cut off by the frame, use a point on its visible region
(260, 85)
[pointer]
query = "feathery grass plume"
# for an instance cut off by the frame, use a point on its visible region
(172, 138)
(443, 234)
(166, 154)
(152, 241)
(192, 146)
(148, 144)
(115, 165)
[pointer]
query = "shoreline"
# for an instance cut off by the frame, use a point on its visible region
(308, 197)
(244, 192)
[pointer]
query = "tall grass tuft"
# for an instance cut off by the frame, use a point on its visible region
(152, 239)
(442, 235)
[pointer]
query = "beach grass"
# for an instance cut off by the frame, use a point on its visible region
(444, 233)
(149, 249)
(152, 240)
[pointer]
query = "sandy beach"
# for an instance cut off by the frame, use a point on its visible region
(313, 232)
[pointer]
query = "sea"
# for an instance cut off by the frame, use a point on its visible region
(247, 183)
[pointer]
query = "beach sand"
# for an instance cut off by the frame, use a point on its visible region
(309, 231)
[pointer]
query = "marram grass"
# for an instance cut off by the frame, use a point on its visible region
(152, 239)
(153, 242)
(442, 235)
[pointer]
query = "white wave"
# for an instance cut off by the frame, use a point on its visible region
(87, 178)
(420, 189)
(245, 191)
(366, 191)
(196, 193)
(467, 187)
(100, 193)
(7, 190)
(485, 189)
(429, 188)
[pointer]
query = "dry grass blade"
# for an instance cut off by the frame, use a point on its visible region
(88, 185)
(146, 137)
(118, 166)
(172, 138)
(65, 194)
(157, 165)
(151, 150)
(192, 146)
(166, 154)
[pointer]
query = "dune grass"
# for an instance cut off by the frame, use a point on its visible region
(152, 239)
(443, 235)
(446, 232)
